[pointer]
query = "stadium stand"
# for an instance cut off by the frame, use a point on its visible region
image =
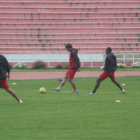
(30, 27)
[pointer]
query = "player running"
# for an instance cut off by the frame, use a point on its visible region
(109, 71)
(5, 73)
(74, 66)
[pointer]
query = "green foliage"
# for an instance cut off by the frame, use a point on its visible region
(136, 65)
(20, 66)
(121, 65)
(64, 116)
(11, 67)
(39, 65)
(61, 66)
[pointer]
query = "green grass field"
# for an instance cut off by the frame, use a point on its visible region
(63, 70)
(63, 116)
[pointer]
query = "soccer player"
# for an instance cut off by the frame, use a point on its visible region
(5, 73)
(109, 71)
(74, 66)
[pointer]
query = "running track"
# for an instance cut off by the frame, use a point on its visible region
(55, 75)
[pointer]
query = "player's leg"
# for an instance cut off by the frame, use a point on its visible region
(112, 77)
(4, 85)
(74, 86)
(98, 82)
(71, 77)
(102, 77)
(11, 92)
(118, 85)
(62, 83)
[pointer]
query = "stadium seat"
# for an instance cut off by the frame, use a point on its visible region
(91, 26)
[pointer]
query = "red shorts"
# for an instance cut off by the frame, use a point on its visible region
(106, 74)
(4, 84)
(70, 73)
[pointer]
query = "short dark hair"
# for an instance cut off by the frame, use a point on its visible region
(68, 46)
(108, 49)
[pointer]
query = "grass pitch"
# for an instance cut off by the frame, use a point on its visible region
(63, 116)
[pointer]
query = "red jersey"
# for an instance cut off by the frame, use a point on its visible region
(74, 62)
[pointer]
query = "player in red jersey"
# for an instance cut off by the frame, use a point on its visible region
(74, 66)
(5, 73)
(109, 71)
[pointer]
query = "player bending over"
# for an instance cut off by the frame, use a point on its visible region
(109, 71)
(5, 73)
(74, 66)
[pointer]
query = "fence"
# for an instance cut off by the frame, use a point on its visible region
(87, 60)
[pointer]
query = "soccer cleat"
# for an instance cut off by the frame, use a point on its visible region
(123, 91)
(20, 102)
(57, 89)
(91, 93)
(75, 92)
